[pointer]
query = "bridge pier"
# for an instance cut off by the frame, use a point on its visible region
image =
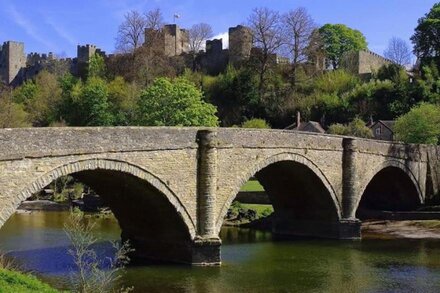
(199, 252)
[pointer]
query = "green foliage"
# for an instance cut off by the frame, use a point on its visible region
(175, 103)
(11, 281)
(339, 39)
(255, 123)
(11, 114)
(356, 128)
(426, 38)
(86, 104)
(420, 125)
(97, 66)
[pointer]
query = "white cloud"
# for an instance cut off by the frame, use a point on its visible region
(63, 33)
(225, 37)
(29, 28)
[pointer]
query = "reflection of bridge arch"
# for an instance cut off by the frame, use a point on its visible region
(397, 185)
(286, 161)
(102, 165)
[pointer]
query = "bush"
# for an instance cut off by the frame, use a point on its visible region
(420, 125)
(255, 123)
(356, 128)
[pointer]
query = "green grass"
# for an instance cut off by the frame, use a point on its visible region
(252, 185)
(16, 282)
(259, 208)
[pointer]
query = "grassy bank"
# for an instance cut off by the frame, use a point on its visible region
(11, 281)
(252, 185)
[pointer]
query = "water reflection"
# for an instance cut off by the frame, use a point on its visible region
(252, 261)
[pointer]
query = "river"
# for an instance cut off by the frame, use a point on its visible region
(252, 261)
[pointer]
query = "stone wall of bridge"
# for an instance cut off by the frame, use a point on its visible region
(186, 178)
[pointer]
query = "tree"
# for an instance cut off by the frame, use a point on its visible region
(131, 32)
(267, 36)
(154, 22)
(154, 19)
(198, 34)
(97, 66)
(11, 114)
(255, 123)
(356, 128)
(175, 103)
(338, 39)
(398, 51)
(94, 105)
(299, 27)
(426, 38)
(420, 125)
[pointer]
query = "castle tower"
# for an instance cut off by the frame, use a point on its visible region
(240, 43)
(173, 40)
(12, 62)
(84, 54)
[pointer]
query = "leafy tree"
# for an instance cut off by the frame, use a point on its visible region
(426, 38)
(85, 104)
(356, 128)
(420, 125)
(11, 114)
(255, 123)
(97, 66)
(338, 39)
(123, 99)
(94, 105)
(175, 103)
(40, 98)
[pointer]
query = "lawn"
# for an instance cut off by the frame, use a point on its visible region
(259, 208)
(252, 185)
(16, 282)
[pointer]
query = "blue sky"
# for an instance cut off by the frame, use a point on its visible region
(58, 26)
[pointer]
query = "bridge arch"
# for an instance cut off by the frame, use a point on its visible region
(149, 213)
(391, 186)
(287, 161)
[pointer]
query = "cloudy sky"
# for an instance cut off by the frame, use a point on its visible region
(59, 25)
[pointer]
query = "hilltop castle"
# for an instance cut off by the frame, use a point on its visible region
(172, 41)
(16, 67)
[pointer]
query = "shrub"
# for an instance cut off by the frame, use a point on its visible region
(255, 123)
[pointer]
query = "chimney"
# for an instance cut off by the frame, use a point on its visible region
(298, 119)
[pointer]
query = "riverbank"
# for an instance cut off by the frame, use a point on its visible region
(415, 229)
(12, 281)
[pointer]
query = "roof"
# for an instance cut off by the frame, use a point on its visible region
(305, 126)
(387, 123)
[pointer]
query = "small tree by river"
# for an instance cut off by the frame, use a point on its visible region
(93, 274)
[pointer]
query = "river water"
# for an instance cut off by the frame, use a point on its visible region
(252, 261)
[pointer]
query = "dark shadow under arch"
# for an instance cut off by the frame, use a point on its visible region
(391, 189)
(304, 202)
(148, 212)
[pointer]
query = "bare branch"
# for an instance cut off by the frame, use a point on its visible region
(131, 32)
(398, 51)
(198, 34)
(298, 28)
(154, 19)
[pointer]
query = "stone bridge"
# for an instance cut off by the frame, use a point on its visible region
(170, 188)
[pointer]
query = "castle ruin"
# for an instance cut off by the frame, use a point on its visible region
(16, 67)
(363, 63)
(12, 62)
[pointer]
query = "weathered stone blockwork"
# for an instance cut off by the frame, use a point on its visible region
(170, 188)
